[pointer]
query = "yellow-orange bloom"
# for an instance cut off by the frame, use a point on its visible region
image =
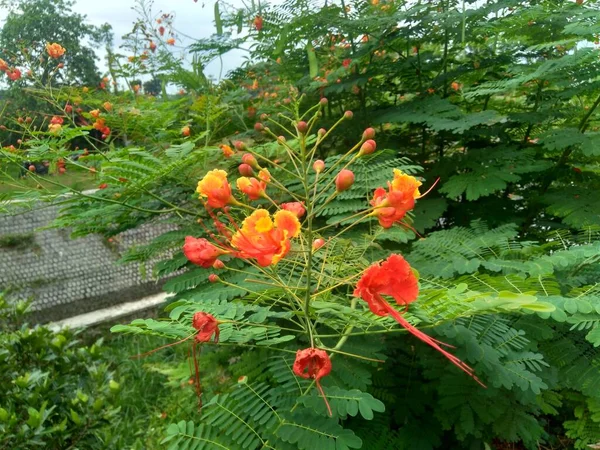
(95, 113)
(392, 205)
(54, 128)
(171, 41)
(3, 65)
(215, 188)
(406, 183)
(55, 50)
(266, 239)
(227, 151)
(107, 106)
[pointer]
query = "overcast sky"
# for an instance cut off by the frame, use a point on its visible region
(190, 18)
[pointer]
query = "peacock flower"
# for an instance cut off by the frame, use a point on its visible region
(227, 151)
(313, 363)
(206, 325)
(54, 128)
(395, 278)
(201, 252)
(266, 239)
(95, 113)
(3, 65)
(294, 207)
(57, 120)
(215, 188)
(392, 205)
(171, 41)
(55, 50)
(107, 106)
(14, 74)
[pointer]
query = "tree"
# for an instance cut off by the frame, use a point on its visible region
(31, 24)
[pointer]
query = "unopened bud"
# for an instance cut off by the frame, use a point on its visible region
(287, 101)
(318, 243)
(369, 133)
(218, 264)
(348, 115)
(245, 170)
(323, 101)
(263, 117)
(258, 126)
(302, 127)
(239, 145)
(344, 180)
(281, 139)
(213, 278)
(367, 148)
(248, 158)
(319, 165)
(321, 132)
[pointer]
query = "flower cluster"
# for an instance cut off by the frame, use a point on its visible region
(269, 230)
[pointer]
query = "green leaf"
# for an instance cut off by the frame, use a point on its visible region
(344, 403)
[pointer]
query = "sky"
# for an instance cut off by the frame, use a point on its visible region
(191, 19)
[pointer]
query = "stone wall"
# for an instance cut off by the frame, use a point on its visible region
(65, 276)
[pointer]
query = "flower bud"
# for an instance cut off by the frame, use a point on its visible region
(248, 158)
(348, 115)
(213, 278)
(318, 243)
(319, 166)
(323, 101)
(185, 131)
(281, 139)
(239, 145)
(245, 170)
(218, 264)
(321, 132)
(263, 117)
(287, 101)
(302, 127)
(369, 133)
(367, 148)
(258, 126)
(344, 180)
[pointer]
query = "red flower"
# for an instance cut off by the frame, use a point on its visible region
(201, 252)
(346, 62)
(294, 207)
(57, 120)
(391, 206)
(395, 278)
(14, 75)
(313, 363)
(206, 325)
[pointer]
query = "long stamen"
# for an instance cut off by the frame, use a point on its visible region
(430, 189)
(143, 355)
(324, 397)
(431, 342)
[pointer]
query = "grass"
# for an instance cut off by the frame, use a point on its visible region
(11, 181)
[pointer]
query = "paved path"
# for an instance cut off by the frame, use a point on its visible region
(112, 313)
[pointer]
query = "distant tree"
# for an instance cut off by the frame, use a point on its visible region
(31, 24)
(153, 87)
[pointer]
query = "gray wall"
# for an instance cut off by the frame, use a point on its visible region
(65, 276)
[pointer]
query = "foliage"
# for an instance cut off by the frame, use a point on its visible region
(497, 99)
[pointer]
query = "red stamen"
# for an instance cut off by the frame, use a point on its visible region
(430, 189)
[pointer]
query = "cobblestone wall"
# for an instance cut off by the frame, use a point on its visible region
(65, 276)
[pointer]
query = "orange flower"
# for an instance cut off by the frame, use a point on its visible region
(455, 86)
(215, 187)
(391, 206)
(3, 65)
(95, 113)
(99, 124)
(57, 120)
(136, 88)
(295, 207)
(152, 46)
(252, 187)
(264, 239)
(171, 41)
(201, 252)
(107, 106)
(227, 151)
(55, 50)
(185, 131)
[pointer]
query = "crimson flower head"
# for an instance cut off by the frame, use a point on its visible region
(313, 363)
(258, 23)
(201, 252)
(395, 278)
(206, 325)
